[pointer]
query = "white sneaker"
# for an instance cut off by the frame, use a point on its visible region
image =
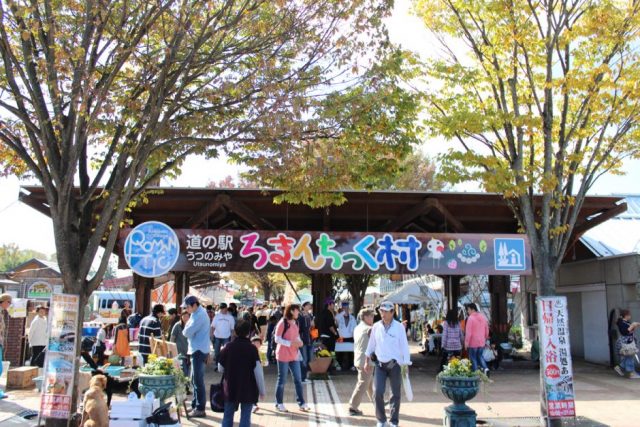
(306, 381)
(338, 368)
(379, 424)
(394, 425)
(353, 368)
(305, 408)
(634, 376)
(280, 407)
(618, 370)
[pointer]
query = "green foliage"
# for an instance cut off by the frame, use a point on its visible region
(378, 126)
(12, 256)
(542, 98)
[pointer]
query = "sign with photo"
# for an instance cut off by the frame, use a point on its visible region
(324, 252)
(18, 308)
(60, 360)
(555, 356)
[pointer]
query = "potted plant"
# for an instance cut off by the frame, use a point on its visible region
(322, 361)
(161, 376)
(459, 382)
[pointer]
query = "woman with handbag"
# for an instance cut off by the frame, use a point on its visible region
(626, 345)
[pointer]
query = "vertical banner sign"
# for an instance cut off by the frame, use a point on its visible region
(555, 356)
(60, 362)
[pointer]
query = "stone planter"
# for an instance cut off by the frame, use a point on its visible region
(320, 365)
(459, 389)
(163, 386)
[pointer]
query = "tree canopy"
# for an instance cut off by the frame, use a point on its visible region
(542, 98)
(101, 98)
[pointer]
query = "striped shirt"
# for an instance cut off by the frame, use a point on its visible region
(149, 326)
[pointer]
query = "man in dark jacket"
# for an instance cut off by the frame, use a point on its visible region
(327, 325)
(243, 378)
(150, 327)
(304, 325)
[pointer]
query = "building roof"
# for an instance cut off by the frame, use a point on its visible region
(53, 266)
(408, 211)
(619, 235)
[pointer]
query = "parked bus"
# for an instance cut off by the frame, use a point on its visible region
(106, 306)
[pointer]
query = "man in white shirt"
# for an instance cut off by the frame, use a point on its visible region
(346, 326)
(221, 327)
(38, 336)
(388, 342)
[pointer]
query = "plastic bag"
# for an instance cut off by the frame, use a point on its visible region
(406, 383)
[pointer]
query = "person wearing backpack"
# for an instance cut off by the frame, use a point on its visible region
(288, 356)
(243, 379)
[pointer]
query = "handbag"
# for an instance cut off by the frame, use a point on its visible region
(487, 354)
(628, 349)
(216, 396)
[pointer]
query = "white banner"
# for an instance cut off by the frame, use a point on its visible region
(60, 361)
(555, 356)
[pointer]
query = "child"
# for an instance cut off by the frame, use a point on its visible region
(257, 342)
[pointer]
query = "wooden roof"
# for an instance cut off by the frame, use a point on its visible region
(364, 211)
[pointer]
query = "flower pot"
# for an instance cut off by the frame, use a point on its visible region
(459, 389)
(162, 386)
(320, 365)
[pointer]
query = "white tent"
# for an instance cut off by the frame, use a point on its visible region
(415, 292)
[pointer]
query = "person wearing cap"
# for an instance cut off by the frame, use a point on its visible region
(388, 352)
(38, 336)
(346, 326)
(361, 341)
(221, 328)
(196, 330)
(150, 326)
(327, 325)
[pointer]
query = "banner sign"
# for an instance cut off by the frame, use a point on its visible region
(60, 360)
(555, 356)
(39, 290)
(328, 252)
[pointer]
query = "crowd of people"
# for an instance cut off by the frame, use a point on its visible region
(231, 337)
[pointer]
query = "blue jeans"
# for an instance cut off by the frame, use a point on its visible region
(245, 414)
(197, 379)
(381, 373)
(283, 370)
(306, 358)
(475, 354)
(627, 364)
(184, 364)
(217, 344)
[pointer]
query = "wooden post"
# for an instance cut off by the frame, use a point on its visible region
(320, 288)
(143, 288)
(498, 287)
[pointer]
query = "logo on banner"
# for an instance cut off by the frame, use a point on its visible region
(151, 249)
(509, 254)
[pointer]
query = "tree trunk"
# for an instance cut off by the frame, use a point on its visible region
(357, 286)
(546, 286)
(266, 290)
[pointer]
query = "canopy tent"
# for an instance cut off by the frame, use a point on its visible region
(415, 292)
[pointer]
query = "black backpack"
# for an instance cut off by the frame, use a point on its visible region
(216, 396)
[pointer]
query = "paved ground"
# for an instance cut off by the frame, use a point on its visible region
(510, 400)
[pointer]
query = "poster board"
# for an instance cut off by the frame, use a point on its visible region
(555, 356)
(60, 361)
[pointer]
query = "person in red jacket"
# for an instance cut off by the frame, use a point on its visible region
(475, 337)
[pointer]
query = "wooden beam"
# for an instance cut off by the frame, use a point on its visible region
(605, 215)
(451, 220)
(420, 209)
(244, 212)
(206, 211)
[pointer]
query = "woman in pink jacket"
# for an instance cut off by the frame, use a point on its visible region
(287, 354)
(475, 337)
